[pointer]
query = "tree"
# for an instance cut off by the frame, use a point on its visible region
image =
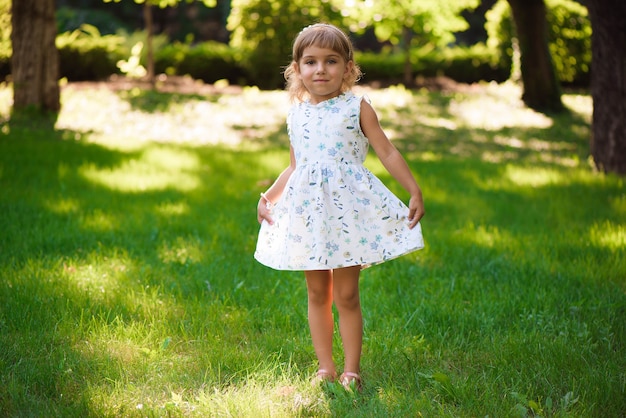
(148, 21)
(410, 23)
(35, 59)
(542, 90)
(608, 84)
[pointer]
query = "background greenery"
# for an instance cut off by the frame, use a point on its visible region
(128, 285)
(256, 43)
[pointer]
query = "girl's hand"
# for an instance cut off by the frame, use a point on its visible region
(416, 210)
(264, 211)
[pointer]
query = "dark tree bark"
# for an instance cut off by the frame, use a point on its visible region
(147, 16)
(542, 90)
(608, 84)
(407, 37)
(35, 59)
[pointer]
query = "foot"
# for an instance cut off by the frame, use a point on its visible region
(324, 375)
(351, 381)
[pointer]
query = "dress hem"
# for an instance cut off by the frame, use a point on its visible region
(325, 267)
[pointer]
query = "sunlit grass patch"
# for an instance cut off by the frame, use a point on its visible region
(533, 177)
(154, 169)
(142, 116)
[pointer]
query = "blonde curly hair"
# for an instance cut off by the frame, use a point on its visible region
(322, 35)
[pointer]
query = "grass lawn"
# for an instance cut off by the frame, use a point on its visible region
(128, 287)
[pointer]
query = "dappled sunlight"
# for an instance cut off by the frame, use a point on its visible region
(487, 121)
(534, 177)
(482, 111)
(95, 277)
(581, 104)
(608, 235)
(154, 169)
(186, 119)
(618, 204)
(130, 288)
(486, 236)
(6, 101)
(278, 397)
(99, 220)
(534, 144)
(182, 251)
(173, 209)
(62, 205)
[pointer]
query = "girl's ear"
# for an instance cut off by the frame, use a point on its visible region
(349, 66)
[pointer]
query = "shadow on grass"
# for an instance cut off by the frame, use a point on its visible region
(95, 237)
(77, 249)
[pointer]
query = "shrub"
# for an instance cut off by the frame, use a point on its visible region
(462, 64)
(380, 66)
(208, 61)
(84, 54)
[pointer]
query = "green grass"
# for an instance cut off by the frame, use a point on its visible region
(128, 287)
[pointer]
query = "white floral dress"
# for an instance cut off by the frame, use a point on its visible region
(333, 212)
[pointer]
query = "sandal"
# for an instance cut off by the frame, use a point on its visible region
(351, 381)
(324, 375)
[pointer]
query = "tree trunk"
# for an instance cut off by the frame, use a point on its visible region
(147, 15)
(541, 86)
(407, 37)
(35, 59)
(608, 84)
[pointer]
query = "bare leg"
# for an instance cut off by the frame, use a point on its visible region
(348, 303)
(320, 295)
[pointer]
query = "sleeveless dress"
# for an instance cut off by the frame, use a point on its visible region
(333, 211)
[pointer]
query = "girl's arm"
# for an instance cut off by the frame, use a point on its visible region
(392, 160)
(273, 194)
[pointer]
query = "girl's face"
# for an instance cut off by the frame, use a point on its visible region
(322, 71)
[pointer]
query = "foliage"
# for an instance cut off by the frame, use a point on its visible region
(132, 67)
(131, 39)
(264, 31)
(569, 37)
(500, 33)
(570, 40)
(462, 64)
(69, 19)
(87, 55)
(5, 37)
(166, 3)
(129, 289)
(207, 61)
(431, 22)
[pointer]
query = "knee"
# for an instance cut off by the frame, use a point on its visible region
(347, 299)
(319, 297)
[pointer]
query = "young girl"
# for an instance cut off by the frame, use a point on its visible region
(326, 213)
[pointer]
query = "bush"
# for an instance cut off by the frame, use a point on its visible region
(462, 64)
(208, 61)
(84, 54)
(380, 66)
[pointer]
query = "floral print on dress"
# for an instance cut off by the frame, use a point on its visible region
(333, 212)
